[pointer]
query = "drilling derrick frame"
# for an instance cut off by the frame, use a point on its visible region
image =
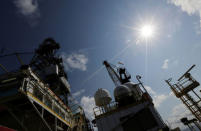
(36, 96)
(184, 90)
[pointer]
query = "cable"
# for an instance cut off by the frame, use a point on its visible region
(99, 69)
(21, 53)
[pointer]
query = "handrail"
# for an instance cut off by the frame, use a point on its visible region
(54, 103)
(46, 88)
(101, 110)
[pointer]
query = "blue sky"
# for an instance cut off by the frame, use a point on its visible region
(90, 31)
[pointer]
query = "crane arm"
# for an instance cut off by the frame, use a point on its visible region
(112, 73)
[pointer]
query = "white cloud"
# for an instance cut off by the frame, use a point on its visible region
(75, 61)
(165, 64)
(27, 7)
(189, 6)
(149, 90)
(177, 113)
(158, 99)
(78, 93)
(88, 104)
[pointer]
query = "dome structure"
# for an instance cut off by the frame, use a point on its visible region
(135, 89)
(131, 84)
(122, 91)
(102, 97)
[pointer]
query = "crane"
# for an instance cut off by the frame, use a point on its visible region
(119, 75)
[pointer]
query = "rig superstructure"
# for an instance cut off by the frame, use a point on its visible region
(133, 108)
(36, 96)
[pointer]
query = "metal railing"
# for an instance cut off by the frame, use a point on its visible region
(42, 95)
(104, 109)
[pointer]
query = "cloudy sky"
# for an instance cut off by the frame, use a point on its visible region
(90, 31)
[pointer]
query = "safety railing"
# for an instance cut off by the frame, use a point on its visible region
(104, 109)
(41, 94)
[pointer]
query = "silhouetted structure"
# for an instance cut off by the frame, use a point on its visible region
(133, 108)
(35, 97)
(189, 123)
(184, 90)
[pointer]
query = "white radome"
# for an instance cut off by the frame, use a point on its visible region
(121, 91)
(135, 89)
(102, 97)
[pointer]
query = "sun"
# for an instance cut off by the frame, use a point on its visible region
(147, 31)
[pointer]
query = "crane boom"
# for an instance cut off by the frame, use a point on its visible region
(113, 74)
(118, 76)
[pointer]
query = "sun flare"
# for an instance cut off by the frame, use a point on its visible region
(147, 31)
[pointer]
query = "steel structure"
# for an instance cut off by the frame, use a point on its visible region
(188, 123)
(184, 90)
(133, 108)
(118, 75)
(36, 96)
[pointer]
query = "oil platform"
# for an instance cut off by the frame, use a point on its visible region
(36, 96)
(133, 108)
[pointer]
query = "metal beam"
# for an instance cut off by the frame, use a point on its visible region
(41, 116)
(19, 121)
(186, 72)
(3, 68)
